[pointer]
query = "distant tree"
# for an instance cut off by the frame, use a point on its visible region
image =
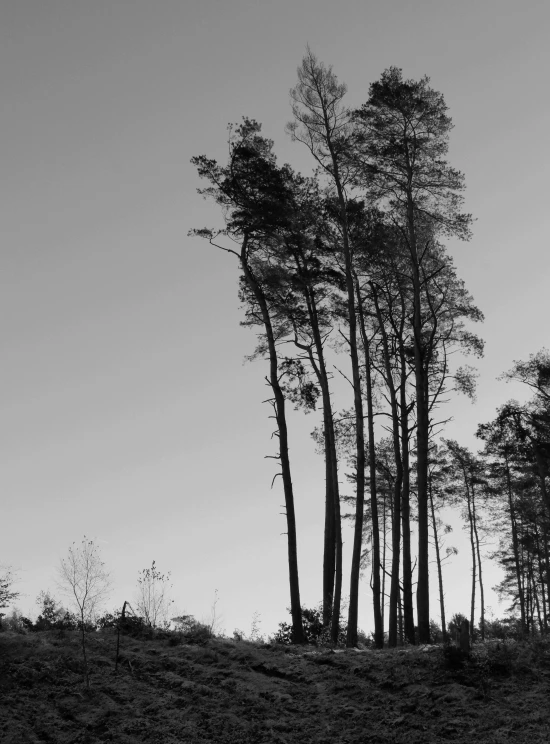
(7, 595)
(153, 600)
(86, 583)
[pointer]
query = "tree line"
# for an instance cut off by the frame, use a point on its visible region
(352, 261)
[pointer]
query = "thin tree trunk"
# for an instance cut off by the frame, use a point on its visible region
(422, 436)
(525, 586)
(376, 591)
(384, 563)
(547, 560)
(84, 654)
(540, 567)
(439, 568)
(474, 567)
(353, 609)
(534, 592)
(279, 407)
(329, 553)
(331, 479)
(332, 561)
(478, 551)
(515, 546)
(408, 612)
(335, 625)
(396, 517)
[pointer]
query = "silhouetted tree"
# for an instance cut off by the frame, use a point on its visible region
(321, 122)
(257, 202)
(400, 141)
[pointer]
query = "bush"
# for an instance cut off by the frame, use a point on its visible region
(108, 620)
(315, 633)
(132, 625)
(198, 633)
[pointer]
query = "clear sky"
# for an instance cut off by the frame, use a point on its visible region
(127, 413)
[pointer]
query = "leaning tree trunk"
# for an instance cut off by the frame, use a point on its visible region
(480, 572)
(439, 568)
(280, 416)
(332, 558)
(332, 579)
(473, 549)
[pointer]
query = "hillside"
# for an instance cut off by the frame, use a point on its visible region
(169, 691)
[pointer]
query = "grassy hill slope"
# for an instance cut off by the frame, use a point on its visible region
(170, 691)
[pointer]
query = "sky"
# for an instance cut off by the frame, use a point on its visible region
(128, 415)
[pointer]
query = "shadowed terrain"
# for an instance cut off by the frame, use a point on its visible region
(168, 691)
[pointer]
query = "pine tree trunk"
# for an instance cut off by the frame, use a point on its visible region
(408, 613)
(515, 546)
(353, 609)
(375, 561)
(480, 572)
(422, 437)
(329, 552)
(400, 618)
(547, 562)
(396, 549)
(332, 559)
(396, 517)
(474, 564)
(280, 416)
(335, 626)
(540, 566)
(439, 568)
(384, 550)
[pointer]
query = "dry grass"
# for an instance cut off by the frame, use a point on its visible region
(229, 692)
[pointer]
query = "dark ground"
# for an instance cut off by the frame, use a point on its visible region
(235, 692)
